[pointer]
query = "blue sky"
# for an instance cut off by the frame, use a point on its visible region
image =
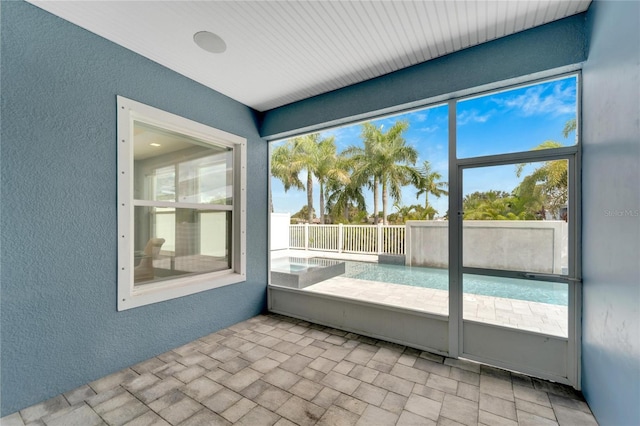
(497, 123)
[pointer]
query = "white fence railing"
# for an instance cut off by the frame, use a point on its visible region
(519, 245)
(362, 239)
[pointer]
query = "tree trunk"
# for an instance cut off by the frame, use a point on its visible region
(309, 197)
(270, 200)
(426, 206)
(384, 203)
(375, 200)
(321, 204)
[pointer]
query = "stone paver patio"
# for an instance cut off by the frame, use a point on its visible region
(276, 370)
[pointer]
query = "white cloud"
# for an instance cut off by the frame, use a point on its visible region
(554, 100)
(473, 116)
(344, 136)
(420, 116)
(429, 129)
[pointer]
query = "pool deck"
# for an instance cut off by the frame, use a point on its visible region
(533, 316)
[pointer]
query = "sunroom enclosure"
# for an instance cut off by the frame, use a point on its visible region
(60, 324)
(484, 282)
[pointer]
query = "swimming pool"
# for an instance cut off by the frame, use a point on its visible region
(510, 288)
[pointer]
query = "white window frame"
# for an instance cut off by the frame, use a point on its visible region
(130, 296)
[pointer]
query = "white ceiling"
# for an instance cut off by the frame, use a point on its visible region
(280, 52)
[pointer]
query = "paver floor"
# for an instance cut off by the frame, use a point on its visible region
(276, 370)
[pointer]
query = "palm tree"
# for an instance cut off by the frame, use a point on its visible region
(343, 196)
(327, 167)
(312, 154)
(393, 160)
(384, 163)
(404, 213)
(570, 126)
(430, 183)
(364, 170)
(284, 167)
(545, 189)
(492, 205)
(289, 160)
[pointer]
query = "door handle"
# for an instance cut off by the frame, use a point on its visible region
(551, 277)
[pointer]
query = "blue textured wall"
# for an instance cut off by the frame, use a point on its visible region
(550, 46)
(60, 328)
(611, 214)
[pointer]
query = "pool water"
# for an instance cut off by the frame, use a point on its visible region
(510, 288)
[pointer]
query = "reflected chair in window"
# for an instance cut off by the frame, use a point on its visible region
(144, 271)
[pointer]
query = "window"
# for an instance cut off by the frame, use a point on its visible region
(181, 206)
(527, 117)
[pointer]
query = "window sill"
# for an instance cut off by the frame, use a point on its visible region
(180, 287)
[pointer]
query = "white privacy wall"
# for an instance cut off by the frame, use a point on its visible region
(280, 231)
(533, 246)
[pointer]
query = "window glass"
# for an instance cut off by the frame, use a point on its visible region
(164, 184)
(181, 199)
(518, 119)
(516, 217)
(180, 242)
(373, 197)
(204, 172)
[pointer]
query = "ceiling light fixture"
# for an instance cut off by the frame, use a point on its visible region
(155, 144)
(210, 42)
